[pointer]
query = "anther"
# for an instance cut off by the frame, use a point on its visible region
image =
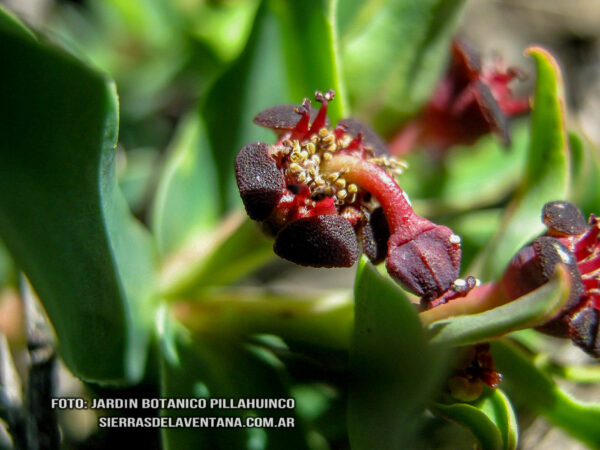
(454, 239)
(295, 168)
(341, 194)
(333, 176)
(329, 139)
(327, 156)
(352, 188)
(323, 132)
(340, 183)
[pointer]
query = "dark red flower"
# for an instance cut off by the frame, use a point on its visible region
(576, 244)
(320, 190)
(473, 370)
(469, 102)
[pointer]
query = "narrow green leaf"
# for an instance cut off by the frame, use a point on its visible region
(232, 250)
(310, 43)
(547, 172)
(491, 419)
(9, 23)
(475, 420)
(531, 310)
(584, 190)
(528, 384)
(218, 368)
(395, 373)
(256, 81)
(186, 203)
(61, 214)
(318, 319)
(498, 408)
(393, 53)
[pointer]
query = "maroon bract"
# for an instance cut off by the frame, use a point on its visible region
(319, 190)
(576, 244)
(469, 102)
(471, 372)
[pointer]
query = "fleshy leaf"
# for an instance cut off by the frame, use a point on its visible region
(584, 190)
(547, 173)
(322, 319)
(531, 310)
(186, 202)
(475, 420)
(256, 81)
(393, 53)
(310, 43)
(491, 420)
(528, 384)
(218, 368)
(62, 216)
(233, 249)
(395, 372)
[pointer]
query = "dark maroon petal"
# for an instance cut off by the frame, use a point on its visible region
(374, 235)
(370, 137)
(563, 218)
(466, 64)
(260, 182)
(281, 117)
(534, 266)
(492, 114)
(321, 241)
(428, 265)
(583, 328)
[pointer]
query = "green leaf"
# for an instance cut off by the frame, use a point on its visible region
(498, 408)
(475, 420)
(528, 311)
(218, 368)
(290, 54)
(61, 214)
(316, 319)
(584, 190)
(528, 384)
(310, 44)
(10, 23)
(187, 202)
(224, 26)
(256, 81)
(395, 373)
(547, 172)
(491, 419)
(232, 250)
(393, 53)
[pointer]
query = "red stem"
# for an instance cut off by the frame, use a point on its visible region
(404, 224)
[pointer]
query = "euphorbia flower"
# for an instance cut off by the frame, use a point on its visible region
(473, 370)
(576, 244)
(469, 102)
(320, 191)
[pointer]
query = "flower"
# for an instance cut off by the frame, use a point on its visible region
(469, 102)
(576, 244)
(473, 370)
(319, 191)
